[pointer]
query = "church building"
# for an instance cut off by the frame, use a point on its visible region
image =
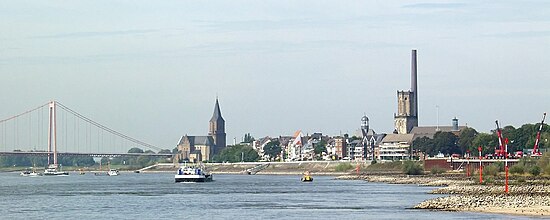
(203, 148)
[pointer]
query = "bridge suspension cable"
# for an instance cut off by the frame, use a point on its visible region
(24, 113)
(107, 129)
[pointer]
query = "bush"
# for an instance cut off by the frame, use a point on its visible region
(342, 167)
(499, 165)
(437, 170)
(412, 168)
(535, 170)
(394, 166)
(517, 169)
(488, 180)
(491, 170)
(544, 161)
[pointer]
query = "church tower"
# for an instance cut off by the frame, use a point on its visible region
(364, 125)
(407, 104)
(217, 129)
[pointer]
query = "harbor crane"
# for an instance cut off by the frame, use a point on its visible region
(536, 150)
(500, 151)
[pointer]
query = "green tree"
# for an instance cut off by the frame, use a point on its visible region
(237, 153)
(320, 147)
(465, 139)
(446, 142)
(272, 149)
(248, 138)
(135, 150)
(488, 142)
(165, 151)
(424, 144)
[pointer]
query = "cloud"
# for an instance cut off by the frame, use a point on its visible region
(95, 34)
(435, 5)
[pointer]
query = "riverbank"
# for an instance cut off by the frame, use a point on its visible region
(333, 168)
(531, 199)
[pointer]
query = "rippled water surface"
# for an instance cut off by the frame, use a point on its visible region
(156, 196)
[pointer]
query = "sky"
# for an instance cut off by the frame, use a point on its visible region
(153, 69)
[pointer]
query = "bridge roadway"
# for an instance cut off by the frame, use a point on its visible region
(110, 155)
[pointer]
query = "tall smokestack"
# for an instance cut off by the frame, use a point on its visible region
(413, 82)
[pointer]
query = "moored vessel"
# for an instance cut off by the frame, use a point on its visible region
(192, 174)
(54, 170)
(112, 172)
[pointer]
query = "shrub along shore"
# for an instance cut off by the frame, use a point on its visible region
(527, 197)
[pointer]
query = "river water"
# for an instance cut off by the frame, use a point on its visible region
(156, 196)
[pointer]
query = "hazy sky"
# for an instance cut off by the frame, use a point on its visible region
(152, 69)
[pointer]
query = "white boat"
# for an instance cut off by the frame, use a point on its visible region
(112, 172)
(54, 170)
(30, 172)
(192, 174)
(25, 173)
(34, 174)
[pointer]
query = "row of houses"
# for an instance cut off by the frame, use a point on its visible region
(300, 147)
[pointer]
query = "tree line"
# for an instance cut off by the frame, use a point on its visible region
(83, 161)
(469, 140)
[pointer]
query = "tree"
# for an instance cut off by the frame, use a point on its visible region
(488, 142)
(320, 147)
(272, 149)
(237, 153)
(248, 138)
(165, 151)
(425, 144)
(135, 150)
(446, 142)
(465, 139)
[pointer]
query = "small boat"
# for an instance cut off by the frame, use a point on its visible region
(306, 177)
(112, 172)
(54, 170)
(25, 173)
(34, 174)
(192, 174)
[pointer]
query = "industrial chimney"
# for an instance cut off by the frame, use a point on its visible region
(414, 84)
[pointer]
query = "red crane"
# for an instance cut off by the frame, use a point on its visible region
(536, 150)
(499, 152)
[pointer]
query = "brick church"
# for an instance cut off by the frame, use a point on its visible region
(203, 148)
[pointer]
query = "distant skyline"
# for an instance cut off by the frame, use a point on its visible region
(152, 70)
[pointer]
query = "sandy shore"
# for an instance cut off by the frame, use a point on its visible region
(466, 195)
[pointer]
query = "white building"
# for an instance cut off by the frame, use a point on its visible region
(395, 147)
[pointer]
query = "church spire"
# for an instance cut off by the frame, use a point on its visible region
(217, 112)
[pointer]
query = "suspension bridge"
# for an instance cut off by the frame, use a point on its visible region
(54, 129)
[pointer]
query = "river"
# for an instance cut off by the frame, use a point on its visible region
(156, 196)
